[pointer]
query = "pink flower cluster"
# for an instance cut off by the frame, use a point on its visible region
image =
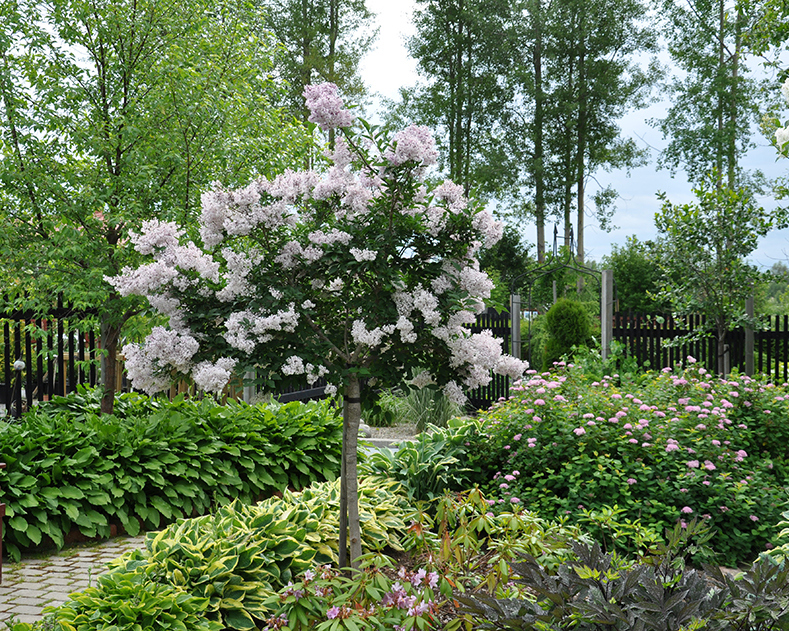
(326, 107)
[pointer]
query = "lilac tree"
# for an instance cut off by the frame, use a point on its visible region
(361, 272)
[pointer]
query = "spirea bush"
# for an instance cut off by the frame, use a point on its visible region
(683, 444)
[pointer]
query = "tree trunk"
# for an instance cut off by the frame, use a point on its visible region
(539, 121)
(110, 335)
(350, 530)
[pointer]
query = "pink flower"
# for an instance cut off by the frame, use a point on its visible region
(333, 612)
(326, 107)
(693, 464)
(754, 518)
(539, 402)
(579, 431)
(514, 500)
(631, 480)
(687, 510)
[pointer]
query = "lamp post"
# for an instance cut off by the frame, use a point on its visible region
(19, 366)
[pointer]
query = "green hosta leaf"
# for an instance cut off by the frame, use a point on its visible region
(71, 509)
(162, 506)
(239, 619)
(18, 523)
(71, 492)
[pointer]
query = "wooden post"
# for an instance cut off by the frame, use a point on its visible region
(606, 312)
(749, 338)
(515, 325)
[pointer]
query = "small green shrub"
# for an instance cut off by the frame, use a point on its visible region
(567, 324)
(603, 590)
(132, 601)
(420, 406)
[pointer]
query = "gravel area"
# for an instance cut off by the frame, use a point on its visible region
(403, 430)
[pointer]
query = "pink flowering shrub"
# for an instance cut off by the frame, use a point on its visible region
(680, 443)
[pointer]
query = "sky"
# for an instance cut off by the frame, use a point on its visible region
(388, 67)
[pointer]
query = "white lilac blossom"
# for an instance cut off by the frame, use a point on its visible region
(212, 377)
(364, 337)
(782, 134)
(363, 255)
(326, 107)
(422, 380)
(156, 235)
(149, 366)
(413, 144)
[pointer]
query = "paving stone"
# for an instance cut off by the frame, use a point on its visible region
(35, 583)
(26, 610)
(27, 618)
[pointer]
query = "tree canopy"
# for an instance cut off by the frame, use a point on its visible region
(118, 111)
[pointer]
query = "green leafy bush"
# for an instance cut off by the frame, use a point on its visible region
(567, 325)
(234, 561)
(681, 444)
(133, 601)
(68, 468)
(659, 593)
(597, 590)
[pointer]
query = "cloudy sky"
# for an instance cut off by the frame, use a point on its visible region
(388, 67)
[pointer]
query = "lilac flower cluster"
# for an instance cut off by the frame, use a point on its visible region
(326, 107)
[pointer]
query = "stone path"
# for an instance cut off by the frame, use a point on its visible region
(35, 583)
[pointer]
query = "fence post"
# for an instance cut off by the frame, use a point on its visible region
(515, 325)
(249, 389)
(606, 312)
(749, 338)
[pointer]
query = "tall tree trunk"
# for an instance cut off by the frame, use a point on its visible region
(581, 155)
(350, 529)
(539, 121)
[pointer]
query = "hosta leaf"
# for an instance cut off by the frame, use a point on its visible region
(239, 619)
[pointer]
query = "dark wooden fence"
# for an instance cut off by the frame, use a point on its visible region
(59, 351)
(647, 338)
(499, 387)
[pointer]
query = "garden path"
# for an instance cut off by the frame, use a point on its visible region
(43, 581)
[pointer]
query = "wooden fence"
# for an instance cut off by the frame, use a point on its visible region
(648, 337)
(499, 387)
(61, 351)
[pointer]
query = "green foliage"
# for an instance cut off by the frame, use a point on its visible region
(666, 447)
(597, 589)
(70, 468)
(427, 466)
(118, 113)
(420, 406)
(705, 246)
(369, 598)
(234, 561)
(127, 601)
(637, 276)
(567, 325)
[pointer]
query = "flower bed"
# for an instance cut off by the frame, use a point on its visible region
(683, 443)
